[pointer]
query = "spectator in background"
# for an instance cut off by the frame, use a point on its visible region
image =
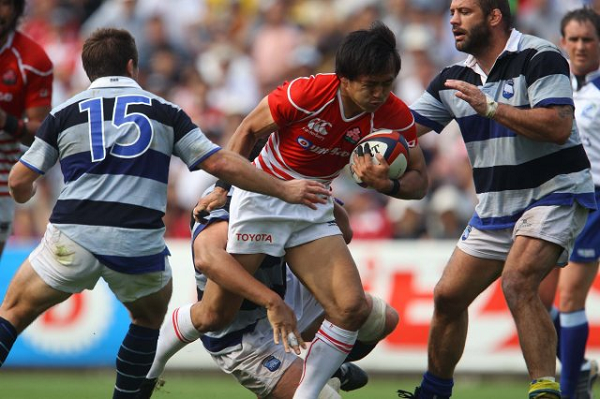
(122, 14)
(26, 87)
(580, 30)
(273, 44)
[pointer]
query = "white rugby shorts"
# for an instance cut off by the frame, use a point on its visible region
(260, 224)
(67, 266)
(556, 224)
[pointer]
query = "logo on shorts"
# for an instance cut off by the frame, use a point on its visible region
(272, 363)
(466, 233)
(524, 224)
(254, 237)
(586, 252)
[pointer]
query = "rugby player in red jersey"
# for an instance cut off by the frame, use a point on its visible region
(313, 124)
(25, 95)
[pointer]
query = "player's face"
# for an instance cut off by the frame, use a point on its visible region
(582, 44)
(7, 17)
(469, 26)
(368, 93)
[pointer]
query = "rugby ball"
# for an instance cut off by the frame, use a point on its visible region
(389, 143)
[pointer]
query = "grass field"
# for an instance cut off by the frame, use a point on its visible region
(93, 384)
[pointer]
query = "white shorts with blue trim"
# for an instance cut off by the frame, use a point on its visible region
(556, 224)
(66, 266)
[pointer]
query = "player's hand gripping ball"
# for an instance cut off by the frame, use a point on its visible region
(389, 143)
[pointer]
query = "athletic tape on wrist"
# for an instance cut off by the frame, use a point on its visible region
(492, 107)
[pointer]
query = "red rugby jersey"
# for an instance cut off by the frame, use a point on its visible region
(314, 139)
(25, 82)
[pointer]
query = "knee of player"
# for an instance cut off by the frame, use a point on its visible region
(381, 321)
(448, 301)
(206, 320)
(570, 301)
(518, 288)
(356, 312)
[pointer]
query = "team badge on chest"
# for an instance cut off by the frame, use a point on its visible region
(9, 78)
(509, 89)
(352, 135)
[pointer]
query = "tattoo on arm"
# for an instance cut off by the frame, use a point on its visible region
(565, 111)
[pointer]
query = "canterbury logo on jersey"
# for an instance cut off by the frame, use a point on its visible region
(254, 237)
(318, 126)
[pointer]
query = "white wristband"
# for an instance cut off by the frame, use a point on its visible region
(492, 106)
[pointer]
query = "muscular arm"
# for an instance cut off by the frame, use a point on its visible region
(21, 182)
(551, 124)
(258, 124)
(211, 258)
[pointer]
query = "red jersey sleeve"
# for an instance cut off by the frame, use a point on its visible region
(301, 98)
(38, 67)
(396, 115)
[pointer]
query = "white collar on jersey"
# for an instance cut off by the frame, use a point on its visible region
(9, 41)
(114, 81)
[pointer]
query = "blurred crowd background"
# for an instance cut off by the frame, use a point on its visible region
(217, 58)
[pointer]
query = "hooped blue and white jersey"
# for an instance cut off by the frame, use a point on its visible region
(272, 273)
(114, 143)
(511, 172)
(587, 115)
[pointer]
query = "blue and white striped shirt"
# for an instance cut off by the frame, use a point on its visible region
(511, 172)
(114, 142)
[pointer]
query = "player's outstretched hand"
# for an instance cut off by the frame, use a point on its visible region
(305, 192)
(285, 328)
(216, 199)
(469, 93)
(374, 174)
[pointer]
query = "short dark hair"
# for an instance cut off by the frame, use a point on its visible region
(368, 52)
(581, 15)
(487, 6)
(107, 51)
(19, 10)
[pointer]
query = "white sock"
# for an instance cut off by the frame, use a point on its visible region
(325, 355)
(328, 392)
(176, 332)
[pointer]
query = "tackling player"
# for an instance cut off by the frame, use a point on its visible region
(245, 349)
(25, 99)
